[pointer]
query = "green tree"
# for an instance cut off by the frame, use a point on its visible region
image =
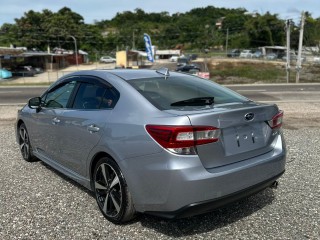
(195, 29)
(265, 29)
(311, 31)
(8, 35)
(30, 31)
(40, 29)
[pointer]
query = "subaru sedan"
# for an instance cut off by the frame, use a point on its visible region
(155, 142)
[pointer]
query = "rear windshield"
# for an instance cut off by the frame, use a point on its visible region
(166, 93)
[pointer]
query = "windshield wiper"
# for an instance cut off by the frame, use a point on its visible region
(200, 101)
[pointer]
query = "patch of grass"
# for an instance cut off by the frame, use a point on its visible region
(248, 72)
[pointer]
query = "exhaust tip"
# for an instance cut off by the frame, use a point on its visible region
(274, 185)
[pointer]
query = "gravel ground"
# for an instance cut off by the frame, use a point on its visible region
(39, 203)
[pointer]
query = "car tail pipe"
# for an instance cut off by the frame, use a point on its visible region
(274, 185)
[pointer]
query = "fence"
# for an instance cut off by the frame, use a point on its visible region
(222, 70)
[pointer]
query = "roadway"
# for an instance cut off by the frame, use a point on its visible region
(265, 93)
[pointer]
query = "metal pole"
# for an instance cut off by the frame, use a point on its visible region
(288, 24)
(298, 67)
(96, 60)
(227, 40)
(133, 41)
(76, 50)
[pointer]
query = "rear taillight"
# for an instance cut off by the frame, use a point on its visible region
(276, 121)
(183, 139)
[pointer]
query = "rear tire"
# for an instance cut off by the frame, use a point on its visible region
(111, 192)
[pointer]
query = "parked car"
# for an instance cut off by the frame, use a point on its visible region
(257, 54)
(173, 58)
(153, 141)
(233, 53)
(24, 71)
(246, 54)
(271, 56)
(183, 61)
(316, 59)
(188, 68)
(293, 57)
(107, 59)
(193, 56)
(36, 70)
(4, 73)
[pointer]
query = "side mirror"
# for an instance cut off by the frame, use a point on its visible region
(34, 103)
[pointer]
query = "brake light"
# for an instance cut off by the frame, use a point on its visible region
(276, 121)
(183, 139)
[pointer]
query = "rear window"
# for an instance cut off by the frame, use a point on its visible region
(164, 93)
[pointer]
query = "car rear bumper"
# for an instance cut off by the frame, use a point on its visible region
(210, 205)
(171, 186)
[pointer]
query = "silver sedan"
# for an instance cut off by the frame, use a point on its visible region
(156, 142)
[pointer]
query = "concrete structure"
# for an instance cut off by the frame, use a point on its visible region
(58, 59)
(130, 59)
(166, 54)
(279, 50)
(6, 54)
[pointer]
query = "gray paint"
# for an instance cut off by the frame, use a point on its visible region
(158, 179)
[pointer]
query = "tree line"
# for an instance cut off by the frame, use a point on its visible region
(198, 29)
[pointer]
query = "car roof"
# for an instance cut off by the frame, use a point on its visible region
(126, 74)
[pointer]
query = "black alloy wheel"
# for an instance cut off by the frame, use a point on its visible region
(111, 191)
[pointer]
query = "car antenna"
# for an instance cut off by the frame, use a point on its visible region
(164, 71)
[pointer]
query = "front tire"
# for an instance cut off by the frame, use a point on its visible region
(24, 144)
(111, 192)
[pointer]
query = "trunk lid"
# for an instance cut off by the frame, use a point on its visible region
(245, 132)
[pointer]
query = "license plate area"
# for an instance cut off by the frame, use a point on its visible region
(243, 138)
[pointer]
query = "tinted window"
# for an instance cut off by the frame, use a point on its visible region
(59, 97)
(91, 96)
(163, 92)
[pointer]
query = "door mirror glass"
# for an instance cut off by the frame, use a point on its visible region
(34, 103)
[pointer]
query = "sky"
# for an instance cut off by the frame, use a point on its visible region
(92, 10)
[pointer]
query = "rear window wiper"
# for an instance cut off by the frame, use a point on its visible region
(200, 101)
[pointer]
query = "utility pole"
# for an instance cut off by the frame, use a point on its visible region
(288, 25)
(75, 50)
(298, 67)
(227, 40)
(133, 41)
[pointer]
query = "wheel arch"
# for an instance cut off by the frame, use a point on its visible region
(19, 122)
(17, 126)
(93, 163)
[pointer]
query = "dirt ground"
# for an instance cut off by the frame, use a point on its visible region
(301, 115)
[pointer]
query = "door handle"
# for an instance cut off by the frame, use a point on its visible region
(55, 121)
(93, 128)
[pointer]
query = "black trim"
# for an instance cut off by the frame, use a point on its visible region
(210, 205)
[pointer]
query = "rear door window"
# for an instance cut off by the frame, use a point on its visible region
(93, 96)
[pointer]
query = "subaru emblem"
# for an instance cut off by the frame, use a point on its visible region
(249, 116)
